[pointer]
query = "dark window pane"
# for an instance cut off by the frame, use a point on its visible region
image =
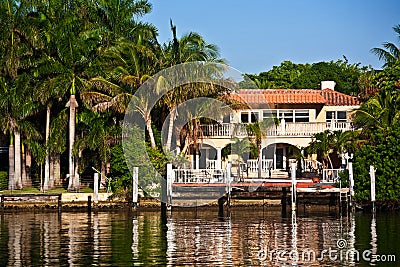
(254, 116)
(244, 117)
(329, 115)
(341, 115)
(302, 119)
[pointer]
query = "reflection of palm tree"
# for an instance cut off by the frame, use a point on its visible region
(390, 53)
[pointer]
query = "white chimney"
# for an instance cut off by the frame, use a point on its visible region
(328, 85)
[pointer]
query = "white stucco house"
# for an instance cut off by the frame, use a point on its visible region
(300, 113)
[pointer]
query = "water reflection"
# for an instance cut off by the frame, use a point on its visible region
(187, 238)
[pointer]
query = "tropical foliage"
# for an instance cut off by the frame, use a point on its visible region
(86, 59)
(291, 75)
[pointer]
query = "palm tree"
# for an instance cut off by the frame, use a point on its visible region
(323, 144)
(380, 112)
(98, 134)
(18, 42)
(190, 47)
(390, 53)
(133, 62)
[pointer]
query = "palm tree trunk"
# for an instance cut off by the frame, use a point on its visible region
(17, 161)
(51, 171)
(57, 170)
(170, 130)
(46, 184)
(23, 168)
(11, 165)
(28, 165)
(150, 130)
(72, 104)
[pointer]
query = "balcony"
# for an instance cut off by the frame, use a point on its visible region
(306, 129)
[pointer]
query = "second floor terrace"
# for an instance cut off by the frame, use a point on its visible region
(305, 129)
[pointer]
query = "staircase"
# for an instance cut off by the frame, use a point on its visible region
(279, 174)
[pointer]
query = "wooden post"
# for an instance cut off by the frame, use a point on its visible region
(228, 182)
(96, 188)
(170, 178)
(89, 203)
(135, 190)
(59, 203)
(293, 185)
(372, 175)
(283, 201)
(351, 181)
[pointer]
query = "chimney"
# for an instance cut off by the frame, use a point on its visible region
(328, 85)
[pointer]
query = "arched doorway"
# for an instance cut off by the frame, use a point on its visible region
(280, 154)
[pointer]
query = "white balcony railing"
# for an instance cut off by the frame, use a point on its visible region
(290, 129)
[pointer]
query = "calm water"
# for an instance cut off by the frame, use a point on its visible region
(249, 237)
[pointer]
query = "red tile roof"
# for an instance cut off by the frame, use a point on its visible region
(294, 96)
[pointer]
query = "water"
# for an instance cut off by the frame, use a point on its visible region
(249, 237)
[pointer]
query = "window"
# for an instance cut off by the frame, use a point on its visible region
(338, 116)
(287, 114)
(247, 117)
(254, 117)
(290, 115)
(302, 116)
(226, 118)
(244, 117)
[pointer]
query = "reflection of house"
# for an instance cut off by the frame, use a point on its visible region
(298, 113)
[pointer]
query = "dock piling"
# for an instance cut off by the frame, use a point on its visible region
(135, 189)
(96, 188)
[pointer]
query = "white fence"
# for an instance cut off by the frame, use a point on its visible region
(331, 175)
(252, 165)
(199, 176)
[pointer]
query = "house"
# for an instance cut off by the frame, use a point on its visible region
(298, 113)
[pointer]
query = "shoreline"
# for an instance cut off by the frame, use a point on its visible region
(150, 204)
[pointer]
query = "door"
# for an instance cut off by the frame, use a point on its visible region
(279, 158)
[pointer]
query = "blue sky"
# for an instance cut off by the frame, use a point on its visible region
(255, 35)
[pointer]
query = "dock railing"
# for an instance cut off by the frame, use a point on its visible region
(331, 175)
(199, 176)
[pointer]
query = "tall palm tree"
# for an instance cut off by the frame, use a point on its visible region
(18, 42)
(132, 63)
(69, 56)
(190, 47)
(390, 53)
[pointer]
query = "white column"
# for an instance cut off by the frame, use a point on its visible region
(274, 157)
(197, 160)
(207, 159)
(283, 126)
(294, 182)
(219, 158)
(284, 157)
(351, 178)
(170, 180)
(135, 181)
(96, 188)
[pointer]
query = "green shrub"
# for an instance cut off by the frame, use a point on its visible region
(3, 180)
